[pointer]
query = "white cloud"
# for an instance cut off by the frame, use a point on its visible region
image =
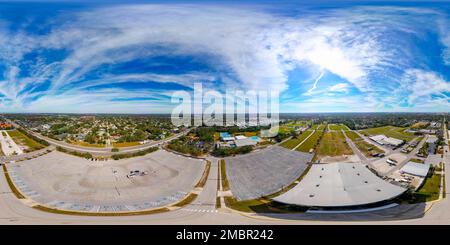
(339, 88)
(249, 48)
(444, 29)
(422, 85)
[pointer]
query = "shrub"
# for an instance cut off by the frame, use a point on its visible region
(75, 153)
(134, 154)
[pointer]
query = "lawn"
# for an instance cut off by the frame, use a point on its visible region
(223, 175)
(321, 127)
(333, 144)
(363, 145)
(283, 129)
(125, 144)
(318, 126)
(338, 127)
(430, 189)
(23, 140)
(390, 131)
(290, 144)
(311, 142)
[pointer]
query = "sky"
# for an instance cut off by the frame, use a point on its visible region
(83, 57)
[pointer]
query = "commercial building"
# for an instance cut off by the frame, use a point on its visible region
(384, 140)
(340, 185)
(416, 169)
(237, 141)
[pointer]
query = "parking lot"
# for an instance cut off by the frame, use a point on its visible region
(63, 181)
(9, 147)
(265, 171)
(382, 166)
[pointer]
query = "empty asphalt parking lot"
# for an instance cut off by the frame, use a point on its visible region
(265, 171)
(66, 182)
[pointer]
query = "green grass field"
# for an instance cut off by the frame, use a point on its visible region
(285, 129)
(290, 144)
(390, 131)
(363, 145)
(338, 127)
(23, 140)
(318, 126)
(430, 189)
(333, 144)
(310, 142)
(297, 123)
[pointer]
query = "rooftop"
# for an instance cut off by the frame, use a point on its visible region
(339, 185)
(417, 169)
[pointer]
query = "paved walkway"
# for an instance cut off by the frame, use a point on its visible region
(355, 150)
(206, 200)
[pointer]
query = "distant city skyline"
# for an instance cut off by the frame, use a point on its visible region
(130, 58)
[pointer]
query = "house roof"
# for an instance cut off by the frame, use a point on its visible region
(417, 169)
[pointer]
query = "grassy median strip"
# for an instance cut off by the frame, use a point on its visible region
(86, 155)
(189, 199)
(218, 204)
(134, 154)
(223, 173)
(11, 184)
(204, 178)
(262, 205)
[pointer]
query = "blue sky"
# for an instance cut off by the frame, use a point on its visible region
(129, 58)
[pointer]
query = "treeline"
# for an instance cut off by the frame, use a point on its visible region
(40, 141)
(134, 154)
(86, 155)
(182, 145)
